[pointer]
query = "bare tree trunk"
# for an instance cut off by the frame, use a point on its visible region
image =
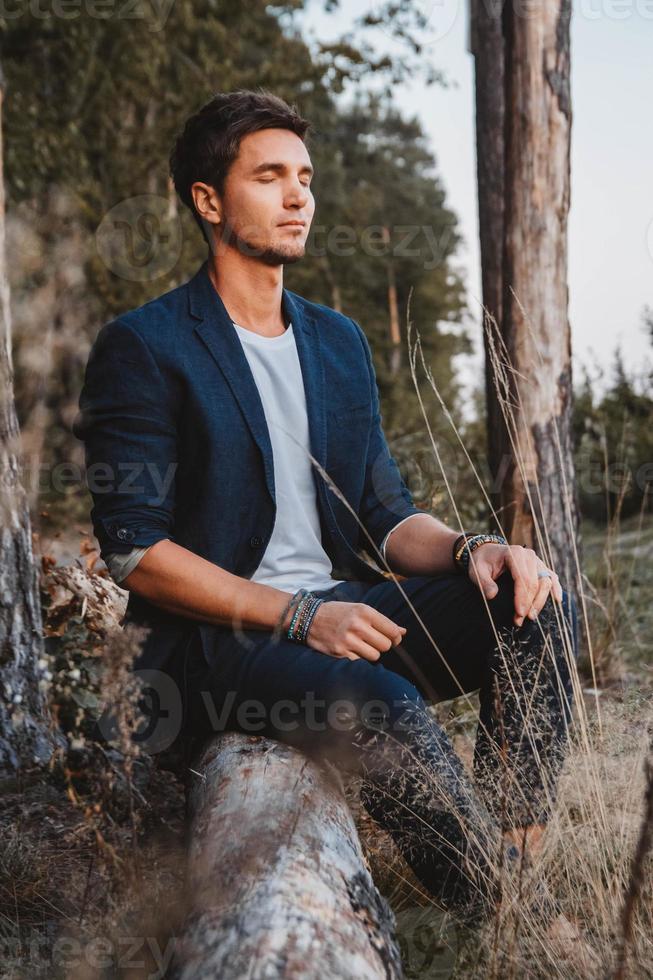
(523, 150)
(24, 736)
(488, 49)
(393, 308)
(336, 296)
(277, 880)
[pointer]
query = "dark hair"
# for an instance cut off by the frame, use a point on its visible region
(210, 140)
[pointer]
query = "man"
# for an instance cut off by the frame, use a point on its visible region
(236, 457)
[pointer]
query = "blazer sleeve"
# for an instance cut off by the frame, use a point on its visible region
(126, 420)
(386, 499)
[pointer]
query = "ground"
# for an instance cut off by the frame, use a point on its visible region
(92, 852)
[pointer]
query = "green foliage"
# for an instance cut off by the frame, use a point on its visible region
(109, 94)
(613, 445)
(106, 95)
(375, 171)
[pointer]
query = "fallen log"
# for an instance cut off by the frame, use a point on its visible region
(278, 884)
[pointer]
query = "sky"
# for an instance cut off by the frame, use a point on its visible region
(610, 232)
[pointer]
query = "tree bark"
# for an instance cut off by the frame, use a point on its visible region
(523, 151)
(24, 736)
(393, 309)
(336, 296)
(277, 880)
(488, 49)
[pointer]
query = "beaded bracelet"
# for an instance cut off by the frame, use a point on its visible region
(470, 545)
(294, 630)
(307, 615)
(293, 622)
(308, 618)
(311, 616)
(303, 617)
(297, 622)
(461, 544)
(456, 545)
(298, 595)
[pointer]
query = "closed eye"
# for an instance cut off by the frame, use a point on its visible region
(268, 180)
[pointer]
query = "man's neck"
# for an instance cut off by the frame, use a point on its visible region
(251, 293)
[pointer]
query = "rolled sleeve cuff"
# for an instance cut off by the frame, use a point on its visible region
(403, 521)
(120, 565)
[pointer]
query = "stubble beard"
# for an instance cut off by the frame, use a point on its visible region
(270, 254)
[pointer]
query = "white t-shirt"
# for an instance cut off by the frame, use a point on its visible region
(294, 556)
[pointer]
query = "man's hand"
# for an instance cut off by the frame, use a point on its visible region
(490, 560)
(353, 631)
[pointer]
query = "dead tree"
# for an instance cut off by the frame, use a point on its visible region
(393, 308)
(277, 881)
(523, 130)
(25, 739)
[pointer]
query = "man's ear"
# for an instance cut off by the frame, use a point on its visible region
(207, 203)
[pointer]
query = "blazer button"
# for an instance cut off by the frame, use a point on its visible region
(255, 541)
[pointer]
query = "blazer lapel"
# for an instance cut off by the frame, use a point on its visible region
(216, 330)
(309, 353)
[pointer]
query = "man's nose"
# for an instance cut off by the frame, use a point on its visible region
(298, 193)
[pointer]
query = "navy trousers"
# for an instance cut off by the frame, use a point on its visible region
(373, 718)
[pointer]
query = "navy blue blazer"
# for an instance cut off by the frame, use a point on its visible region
(177, 445)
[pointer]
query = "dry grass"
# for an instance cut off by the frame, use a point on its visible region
(597, 858)
(91, 856)
(586, 860)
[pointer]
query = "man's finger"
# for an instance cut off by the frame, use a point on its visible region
(545, 586)
(385, 625)
(480, 573)
(521, 595)
(485, 582)
(557, 588)
(525, 589)
(360, 649)
(377, 639)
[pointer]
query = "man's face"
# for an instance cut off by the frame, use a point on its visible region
(267, 187)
